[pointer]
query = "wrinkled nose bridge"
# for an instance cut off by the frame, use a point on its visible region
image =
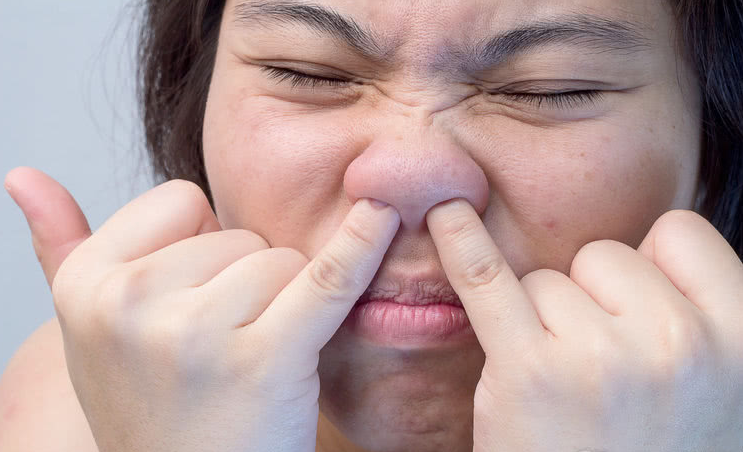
(414, 169)
(421, 104)
(404, 116)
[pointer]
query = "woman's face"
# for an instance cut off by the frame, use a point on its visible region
(436, 108)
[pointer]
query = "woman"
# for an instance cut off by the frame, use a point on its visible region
(376, 171)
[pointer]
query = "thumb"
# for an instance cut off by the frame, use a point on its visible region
(57, 224)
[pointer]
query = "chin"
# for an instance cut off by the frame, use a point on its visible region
(399, 396)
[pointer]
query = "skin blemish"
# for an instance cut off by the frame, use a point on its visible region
(10, 411)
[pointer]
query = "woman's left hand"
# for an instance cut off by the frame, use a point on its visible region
(636, 351)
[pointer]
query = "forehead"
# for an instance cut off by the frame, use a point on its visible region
(405, 17)
(402, 21)
(438, 32)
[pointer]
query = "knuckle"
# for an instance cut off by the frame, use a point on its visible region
(676, 218)
(329, 277)
(588, 254)
(596, 248)
(113, 300)
(189, 194)
(108, 302)
(124, 287)
(358, 234)
(185, 186)
(683, 342)
(482, 270)
(541, 277)
(540, 284)
(76, 290)
(250, 238)
(602, 357)
(674, 228)
(63, 289)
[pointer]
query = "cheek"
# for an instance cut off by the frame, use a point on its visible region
(274, 172)
(606, 177)
(603, 186)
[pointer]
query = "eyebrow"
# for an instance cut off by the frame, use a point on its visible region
(316, 17)
(589, 32)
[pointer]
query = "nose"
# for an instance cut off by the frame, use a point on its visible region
(415, 171)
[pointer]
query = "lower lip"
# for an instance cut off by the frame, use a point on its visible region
(386, 321)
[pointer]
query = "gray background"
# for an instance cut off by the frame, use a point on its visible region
(67, 108)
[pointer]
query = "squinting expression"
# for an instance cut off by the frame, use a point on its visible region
(561, 121)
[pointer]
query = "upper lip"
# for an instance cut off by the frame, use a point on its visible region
(411, 291)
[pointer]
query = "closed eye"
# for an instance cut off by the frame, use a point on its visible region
(560, 100)
(301, 79)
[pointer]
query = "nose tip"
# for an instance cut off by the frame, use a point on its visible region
(414, 183)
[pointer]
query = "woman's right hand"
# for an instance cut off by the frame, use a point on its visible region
(181, 336)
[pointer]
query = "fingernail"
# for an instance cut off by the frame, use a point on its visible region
(379, 205)
(9, 190)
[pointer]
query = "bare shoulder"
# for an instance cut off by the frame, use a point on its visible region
(39, 410)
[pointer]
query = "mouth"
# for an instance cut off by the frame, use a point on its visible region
(405, 312)
(411, 292)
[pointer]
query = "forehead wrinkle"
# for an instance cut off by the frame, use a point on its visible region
(436, 55)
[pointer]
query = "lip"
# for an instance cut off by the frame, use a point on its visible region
(409, 312)
(411, 292)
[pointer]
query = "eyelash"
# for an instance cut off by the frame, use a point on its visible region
(301, 79)
(563, 100)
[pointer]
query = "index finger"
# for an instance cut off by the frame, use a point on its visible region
(498, 307)
(314, 304)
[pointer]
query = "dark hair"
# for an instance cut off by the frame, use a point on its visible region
(178, 43)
